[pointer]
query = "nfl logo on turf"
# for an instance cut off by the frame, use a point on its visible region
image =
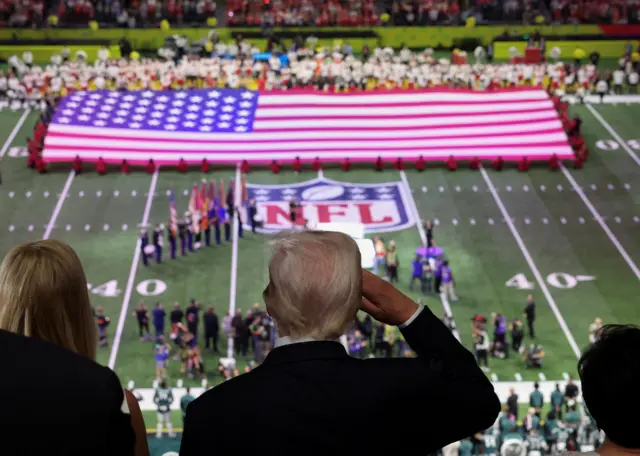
(379, 207)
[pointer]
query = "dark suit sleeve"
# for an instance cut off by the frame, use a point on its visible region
(196, 440)
(447, 383)
(120, 438)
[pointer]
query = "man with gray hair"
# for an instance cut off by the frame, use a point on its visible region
(319, 400)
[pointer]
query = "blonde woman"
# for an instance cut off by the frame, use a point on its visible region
(74, 401)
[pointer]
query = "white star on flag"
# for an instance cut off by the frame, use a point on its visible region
(119, 120)
(163, 98)
(178, 103)
(106, 108)
(240, 129)
(122, 113)
(191, 116)
(383, 190)
(175, 111)
(229, 100)
(193, 108)
(243, 113)
(169, 127)
(87, 110)
(95, 96)
(72, 105)
(289, 191)
(75, 98)
(227, 108)
(245, 104)
(144, 102)
(223, 125)
(154, 122)
(160, 107)
(242, 121)
(189, 124)
(205, 128)
(181, 95)
(147, 94)
(172, 119)
(226, 117)
(83, 117)
(214, 94)
(247, 95)
(207, 121)
(385, 196)
(141, 110)
(103, 115)
(196, 99)
(262, 191)
(212, 104)
(262, 198)
(68, 112)
(91, 103)
(126, 105)
(356, 190)
(209, 112)
(135, 125)
(99, 123)
(358, 197)
(138, 117)
(64, 120)
(157, 115)
(114, 94)
(128, 98)
(111, 101)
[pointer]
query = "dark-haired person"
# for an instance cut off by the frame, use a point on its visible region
(610, 374)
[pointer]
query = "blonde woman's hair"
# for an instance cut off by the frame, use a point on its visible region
(43, 294)
(315, 284)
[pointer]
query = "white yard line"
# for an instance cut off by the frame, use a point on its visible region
(59, 204)
(598, 218)
(14, 133)
(233, 282)
(532, 265)
(613, 133)
(132, 275)
(423, 237)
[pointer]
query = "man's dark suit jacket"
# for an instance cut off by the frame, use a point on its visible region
(313, 398)
(55, 402)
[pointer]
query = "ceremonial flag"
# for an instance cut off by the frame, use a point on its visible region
(230, 194)
(245, 193)
(223, 195)
(173, 213)
(204, 219)
(212, 194)
(194, 209)
(229, 125)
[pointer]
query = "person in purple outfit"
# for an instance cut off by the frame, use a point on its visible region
(446, 278)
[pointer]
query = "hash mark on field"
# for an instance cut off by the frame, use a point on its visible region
(11, 228)
(46, 194)
(454, 221)
(542, 377)
(424, 189)
(474, 188)
(490, 221)
(68, 227)
(618, 219)
(593, 187)
(545, 220)
(133, 193)
(80, 193)
(98, 193)
(106, 227)
(87, 227)
(527, 221)
(559, 187)
(542, 188)
(508, 188)
(30, 227)
(116, 193)
(518, 377)
(436, 222)
(610, 187)
(441, 189)
(473, 221)
(627, 186)
(28, 194)
(581, 219)
(457, 188)
(125, 227)
(636, 219)
(168, 192)
(186, 192)
(11, 194)
(525, 188)
(563, 221)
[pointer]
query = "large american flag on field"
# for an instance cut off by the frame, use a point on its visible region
(229, 125)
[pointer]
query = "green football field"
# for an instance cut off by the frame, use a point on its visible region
(570, 237)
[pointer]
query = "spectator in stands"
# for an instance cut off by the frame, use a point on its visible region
(322, 396)
(608, 368)
(43, 295)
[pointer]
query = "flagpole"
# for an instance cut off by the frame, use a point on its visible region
(234, 255)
